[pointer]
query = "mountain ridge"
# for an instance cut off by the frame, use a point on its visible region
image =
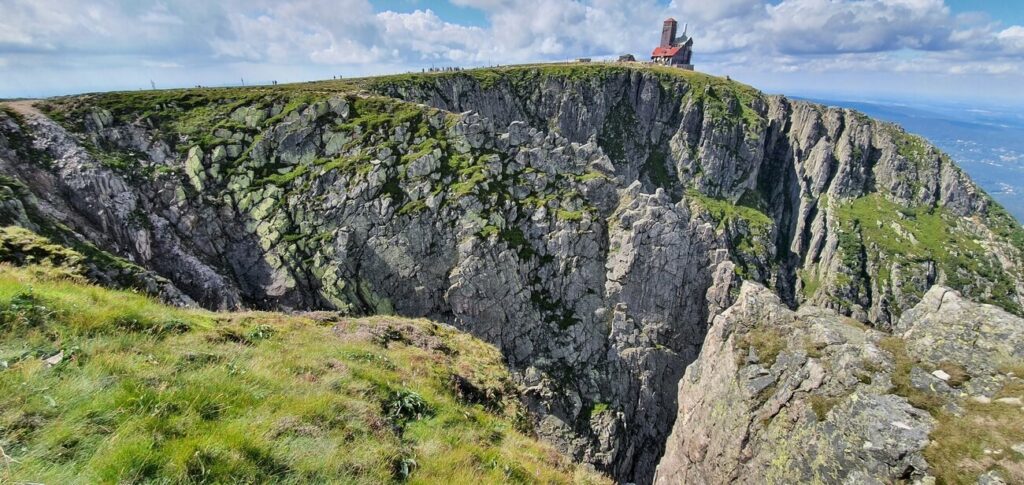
(588, 220)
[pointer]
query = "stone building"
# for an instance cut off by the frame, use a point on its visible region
(673, 51)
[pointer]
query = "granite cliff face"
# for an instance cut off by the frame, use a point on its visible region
(809, 396)
(590, 221)
(844, 195)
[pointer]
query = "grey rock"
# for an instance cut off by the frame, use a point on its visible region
(771, 434)
(946, 327)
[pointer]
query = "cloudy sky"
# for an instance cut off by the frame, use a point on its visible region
(886, 49)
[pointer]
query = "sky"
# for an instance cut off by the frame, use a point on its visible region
(968, 51)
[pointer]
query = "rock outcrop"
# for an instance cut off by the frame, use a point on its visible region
(810, 396)
(859, 210)
(587, 220)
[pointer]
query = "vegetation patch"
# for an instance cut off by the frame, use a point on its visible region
(809, 283)
(962, 448)
(902, 365)
(22, 247)
(889, 234)
(956, 372)
(980, 439)
(618, 132)
(105, 386)
(657, 170)
(403, 405)
(748, 227)
(726, 213)
(56, 245)
(767, 342)
(598, 408)
(822, 404)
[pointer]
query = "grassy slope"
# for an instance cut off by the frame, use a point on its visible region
(913, 235)
(146, 393)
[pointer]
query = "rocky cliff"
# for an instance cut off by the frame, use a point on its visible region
(810, 396)
(862, 217)
(588, 220)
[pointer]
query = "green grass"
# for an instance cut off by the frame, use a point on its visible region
(569, 216)
(903, 363)
(55, 242)
(148, 393)
(748, 227)
(956, 452)
(726, 213)
(811, 283)
(21, 246)
(598, 408)
(892, 234)
(768, 342)
(957, 448)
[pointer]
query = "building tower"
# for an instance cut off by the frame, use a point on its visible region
(668, 32)
(673, 51)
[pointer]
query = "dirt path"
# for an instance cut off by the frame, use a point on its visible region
(24, 107)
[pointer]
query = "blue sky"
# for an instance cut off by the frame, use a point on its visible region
(951, 50)
(1009, 11)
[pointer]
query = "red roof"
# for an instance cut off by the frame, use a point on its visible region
(666, 51)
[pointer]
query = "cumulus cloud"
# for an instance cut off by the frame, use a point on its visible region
(823, 26)
(1012, 39)
(774, 35)
(424, 35)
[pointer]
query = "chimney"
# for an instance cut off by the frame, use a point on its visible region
(668, 32)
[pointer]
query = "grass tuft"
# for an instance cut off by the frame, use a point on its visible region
(767, 342)
(101, 386)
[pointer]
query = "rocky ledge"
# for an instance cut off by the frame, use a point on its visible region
(810, 396)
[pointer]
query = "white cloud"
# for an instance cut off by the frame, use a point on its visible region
(783, 36)
(161, 65)
(423, 33)
(822, 26)
(1012, 39)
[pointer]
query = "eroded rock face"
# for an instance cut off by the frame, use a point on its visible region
(822, 175)
(781, 396)
(588, 226)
